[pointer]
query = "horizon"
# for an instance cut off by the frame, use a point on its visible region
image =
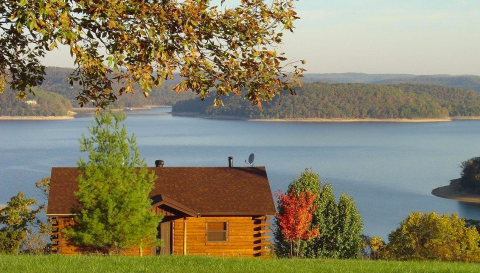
(349, 72)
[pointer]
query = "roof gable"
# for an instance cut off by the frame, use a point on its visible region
(192, 190)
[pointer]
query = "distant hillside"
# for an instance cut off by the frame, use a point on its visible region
(56, 80)
(42, 104)
(465, 81)
(352, 77)
(359, 101)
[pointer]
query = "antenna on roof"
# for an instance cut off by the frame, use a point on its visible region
(250, 159)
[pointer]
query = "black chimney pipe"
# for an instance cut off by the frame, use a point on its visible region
(230, 161)
(159, 163)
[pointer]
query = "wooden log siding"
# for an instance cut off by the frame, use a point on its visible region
(61, 245)
(246, 237)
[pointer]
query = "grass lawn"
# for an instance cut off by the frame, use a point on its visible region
(55, 263)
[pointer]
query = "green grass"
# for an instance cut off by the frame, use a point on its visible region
(60, 264)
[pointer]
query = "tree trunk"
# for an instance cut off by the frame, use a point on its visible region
(291, 249)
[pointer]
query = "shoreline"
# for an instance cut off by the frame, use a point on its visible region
(221, 117)
(70, 115)
(75, 111)
(146, 107)
(36, 118)
(321, 120)
(352, 120)
(466, 118)
(452, 192)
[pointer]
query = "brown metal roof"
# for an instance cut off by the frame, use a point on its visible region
(201, 190)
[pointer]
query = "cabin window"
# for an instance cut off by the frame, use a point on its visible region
(216, 231)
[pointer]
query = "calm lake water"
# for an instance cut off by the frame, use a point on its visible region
(388, 168)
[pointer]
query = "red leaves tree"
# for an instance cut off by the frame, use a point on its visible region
(296, 218)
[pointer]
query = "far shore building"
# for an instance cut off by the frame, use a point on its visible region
(31, 102)
(213, 211)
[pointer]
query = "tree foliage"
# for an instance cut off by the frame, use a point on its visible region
(340, 224)
(470, 175)
(113, 189)
(373, 248)
(230, 49)
(431, 236)
(296, 218)
(16, 222)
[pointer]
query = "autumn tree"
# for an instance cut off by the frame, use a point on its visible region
(340, 224)
(296, 218)
(373, 248)
(113, 187)
(431, 236)
(17, 219)
(231, 48)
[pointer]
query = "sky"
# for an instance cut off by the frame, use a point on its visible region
(421, 37)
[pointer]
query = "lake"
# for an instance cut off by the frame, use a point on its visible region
(388, 168)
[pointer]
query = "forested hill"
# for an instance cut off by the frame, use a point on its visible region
(42, 104)
(323, 100)
(463, 81)
(56, 80)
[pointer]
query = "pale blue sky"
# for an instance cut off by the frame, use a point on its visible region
(375, 36)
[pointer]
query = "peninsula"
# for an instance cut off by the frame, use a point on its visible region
(324, 102)
(454, 191)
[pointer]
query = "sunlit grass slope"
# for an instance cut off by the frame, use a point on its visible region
(89, 264)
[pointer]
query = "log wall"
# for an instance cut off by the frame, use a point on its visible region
(246, 237)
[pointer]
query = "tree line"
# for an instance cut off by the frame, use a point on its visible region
(324, 100)
(464, 81)
(311, 224)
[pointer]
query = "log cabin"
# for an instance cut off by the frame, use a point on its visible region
(213, 211)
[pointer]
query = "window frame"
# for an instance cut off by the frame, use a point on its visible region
(225, 231)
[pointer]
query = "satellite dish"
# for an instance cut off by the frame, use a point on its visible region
(250, 159)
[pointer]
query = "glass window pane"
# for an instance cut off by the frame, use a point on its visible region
(217, 236)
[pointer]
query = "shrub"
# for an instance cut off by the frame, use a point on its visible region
(373, 248)
(434, 237)
(16, 222)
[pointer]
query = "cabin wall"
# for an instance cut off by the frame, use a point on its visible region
(246, 237)
(61, 245)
